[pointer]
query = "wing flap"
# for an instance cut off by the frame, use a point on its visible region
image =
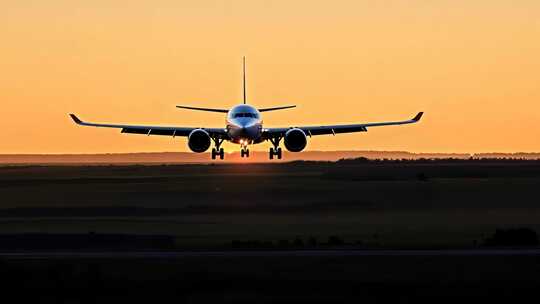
(135, 130)
(326, 130)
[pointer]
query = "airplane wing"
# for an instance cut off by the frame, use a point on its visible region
(153, 130)
(335, 129)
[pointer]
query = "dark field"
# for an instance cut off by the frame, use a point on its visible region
(388, 204)
(344, 206)
(290, 279)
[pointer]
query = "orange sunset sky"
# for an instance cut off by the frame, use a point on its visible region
(472, 66)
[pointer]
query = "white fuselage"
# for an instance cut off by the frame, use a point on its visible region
(244, 125)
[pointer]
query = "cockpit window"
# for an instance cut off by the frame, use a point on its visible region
(247, 114)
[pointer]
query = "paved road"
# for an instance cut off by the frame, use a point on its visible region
(267, 253)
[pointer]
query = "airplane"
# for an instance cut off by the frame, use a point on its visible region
(244, 126)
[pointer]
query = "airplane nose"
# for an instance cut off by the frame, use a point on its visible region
(245, 128)
(247, 125)
(242, 126)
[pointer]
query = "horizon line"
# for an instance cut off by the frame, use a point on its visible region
(258, 152)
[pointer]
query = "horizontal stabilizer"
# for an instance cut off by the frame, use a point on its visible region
(204, 109)
(276, 108)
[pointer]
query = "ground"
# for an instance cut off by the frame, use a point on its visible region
(285, 208)
(392, 204)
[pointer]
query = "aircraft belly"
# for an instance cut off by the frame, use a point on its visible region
(252, 134)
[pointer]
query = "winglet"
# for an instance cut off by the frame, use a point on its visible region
(75, 119)
(418, 116)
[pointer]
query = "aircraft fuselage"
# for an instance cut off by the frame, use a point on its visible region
(244, 125)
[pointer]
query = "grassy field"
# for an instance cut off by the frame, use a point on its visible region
(274, 280)
(366, 204)
(373, 203)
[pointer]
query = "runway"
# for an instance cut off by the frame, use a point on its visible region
(44, 255)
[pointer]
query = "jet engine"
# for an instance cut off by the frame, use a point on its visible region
(199, 140)
(295, 140)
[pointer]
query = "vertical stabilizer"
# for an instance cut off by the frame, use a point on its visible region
(244, 76)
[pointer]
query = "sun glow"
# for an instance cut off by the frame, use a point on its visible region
(471, 66)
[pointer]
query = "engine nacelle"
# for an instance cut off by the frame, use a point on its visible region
(199, 140)
(295, 140)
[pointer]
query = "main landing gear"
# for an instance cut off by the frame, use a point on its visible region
(276, 150)
(217, 151)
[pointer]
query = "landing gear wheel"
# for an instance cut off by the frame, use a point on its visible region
(276, 150)
(217, 150)
(244, 152)
(216, 153)
(221, 153)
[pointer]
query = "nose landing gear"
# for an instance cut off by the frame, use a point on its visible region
(244, 152)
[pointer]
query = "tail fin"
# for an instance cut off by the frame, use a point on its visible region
(244, 76)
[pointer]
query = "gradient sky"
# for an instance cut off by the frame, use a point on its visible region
(472, 66)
